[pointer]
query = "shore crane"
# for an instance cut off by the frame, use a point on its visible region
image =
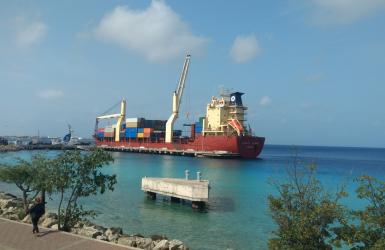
(176, 100)
(120, 117)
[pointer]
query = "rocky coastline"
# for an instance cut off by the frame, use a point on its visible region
(11, 208)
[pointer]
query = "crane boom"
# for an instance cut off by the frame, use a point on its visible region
(120, 118)
(176, 100)
(108, 116)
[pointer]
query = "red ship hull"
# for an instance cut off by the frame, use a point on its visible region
(242, 146)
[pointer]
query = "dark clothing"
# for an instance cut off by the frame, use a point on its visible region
(34, 223)
(36, 211)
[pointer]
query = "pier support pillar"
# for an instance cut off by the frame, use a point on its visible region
(151, 195)
(174, 199)
(198, 204)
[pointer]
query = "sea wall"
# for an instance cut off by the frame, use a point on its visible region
(11, 207)
(10, 148)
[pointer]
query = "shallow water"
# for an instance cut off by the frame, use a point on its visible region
(237, 216)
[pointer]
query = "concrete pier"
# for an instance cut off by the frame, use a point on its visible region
(196, 191)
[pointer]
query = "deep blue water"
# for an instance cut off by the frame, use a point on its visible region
(237, 215)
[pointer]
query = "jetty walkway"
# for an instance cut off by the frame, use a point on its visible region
(18, 236)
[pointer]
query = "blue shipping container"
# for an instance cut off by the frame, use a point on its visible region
(131, 136)
(131, 131)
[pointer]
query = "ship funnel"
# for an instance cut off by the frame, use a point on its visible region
(236, 99)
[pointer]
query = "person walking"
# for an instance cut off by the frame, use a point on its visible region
(36, 211)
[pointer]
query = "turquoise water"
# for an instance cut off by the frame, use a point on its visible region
(237, 215)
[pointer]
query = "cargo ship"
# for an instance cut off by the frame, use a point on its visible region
(222, 132)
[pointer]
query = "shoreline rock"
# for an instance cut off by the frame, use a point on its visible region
(11, 207)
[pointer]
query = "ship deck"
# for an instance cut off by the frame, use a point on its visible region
(165, 151)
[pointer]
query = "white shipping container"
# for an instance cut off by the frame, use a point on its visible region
(129, 120)
(131, 124)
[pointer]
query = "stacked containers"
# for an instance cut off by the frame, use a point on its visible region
(132, 125)
(140, 132)
(100, 133)
(199, 125)
(134, 122)
(142, 128)
(177, 133)
(155, 124)
(109, 131)
(147, 132)
(157, 134)
(131, 132)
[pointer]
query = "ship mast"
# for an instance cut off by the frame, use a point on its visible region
(176, 100)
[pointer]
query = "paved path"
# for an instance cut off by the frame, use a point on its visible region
(18, 236)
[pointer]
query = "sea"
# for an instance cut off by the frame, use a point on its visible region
(237, 215)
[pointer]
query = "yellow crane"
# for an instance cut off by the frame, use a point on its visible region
(121, 119)
(176, 100)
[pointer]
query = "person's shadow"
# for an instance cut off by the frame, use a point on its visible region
(46, 232)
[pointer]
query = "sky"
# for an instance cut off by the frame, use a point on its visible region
(313, 71)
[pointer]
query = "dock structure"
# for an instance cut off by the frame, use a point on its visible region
(165, 151)
(196, 191)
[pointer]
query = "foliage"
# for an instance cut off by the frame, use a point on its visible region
(369, 230)
(304, 212)
(78, 175)
(22, 175)
(21, 214)
(72, 175)
(43, 180)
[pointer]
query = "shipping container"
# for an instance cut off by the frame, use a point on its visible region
(140, 135)
(134, 122)
(131, 135)
(155, 124)
(134, 119)
(198, 129)
(131, 125)
(109, 134)
(131, 130)
(109, 130)
(148, 130)
(140, 130)
(177, 132)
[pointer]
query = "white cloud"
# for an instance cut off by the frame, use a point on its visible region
(245, 48)
(265, 101)
(158, 33)
(344, 11)
(50, 94)
(29, 32)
